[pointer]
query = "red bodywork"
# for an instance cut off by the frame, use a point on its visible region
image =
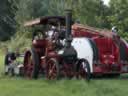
(109, 49)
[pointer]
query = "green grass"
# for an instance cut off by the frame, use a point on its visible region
(22, 87)
(17, 86)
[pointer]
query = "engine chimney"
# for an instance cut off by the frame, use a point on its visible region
(68, 24)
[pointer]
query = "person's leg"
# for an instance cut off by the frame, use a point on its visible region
(6, 69)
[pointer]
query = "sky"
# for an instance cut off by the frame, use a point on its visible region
(106, 2)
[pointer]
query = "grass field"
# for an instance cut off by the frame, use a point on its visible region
(16, 86)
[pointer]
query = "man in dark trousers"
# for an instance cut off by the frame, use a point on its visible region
(10, 57)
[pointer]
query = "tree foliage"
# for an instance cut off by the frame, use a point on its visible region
(7, 22)
(119, 16)
(91, 12)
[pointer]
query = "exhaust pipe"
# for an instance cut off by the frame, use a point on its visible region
(68, 24)
(69, 53)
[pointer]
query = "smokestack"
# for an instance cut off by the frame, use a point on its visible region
(68, 23)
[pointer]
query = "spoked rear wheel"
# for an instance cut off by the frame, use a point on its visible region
(52, 71)
(83, 70)
(31, 64)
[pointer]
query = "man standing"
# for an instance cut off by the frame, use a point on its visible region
(10, 57)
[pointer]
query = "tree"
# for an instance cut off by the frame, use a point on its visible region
(119, 15)
(7, 22)
(90, 12)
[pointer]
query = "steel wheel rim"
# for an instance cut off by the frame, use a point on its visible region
(82, 70)
(52, 70)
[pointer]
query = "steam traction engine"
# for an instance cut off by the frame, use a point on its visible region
(59, 50)
(53, 52)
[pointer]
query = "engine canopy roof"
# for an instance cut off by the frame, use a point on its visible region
(52, 20)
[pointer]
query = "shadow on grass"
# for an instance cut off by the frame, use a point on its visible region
(111, 77)
(104, 77)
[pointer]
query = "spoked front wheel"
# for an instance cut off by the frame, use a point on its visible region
(83, 70)
(52, 71)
